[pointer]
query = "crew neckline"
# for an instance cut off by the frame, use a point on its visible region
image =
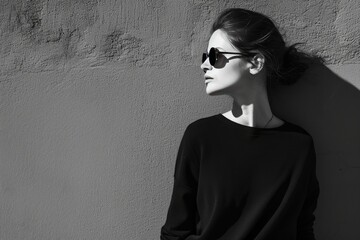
(230, 122)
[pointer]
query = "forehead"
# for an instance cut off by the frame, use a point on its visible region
(219, 39)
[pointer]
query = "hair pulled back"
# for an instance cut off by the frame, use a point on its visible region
(251, 32)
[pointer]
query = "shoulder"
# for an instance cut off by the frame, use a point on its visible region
(300, 134)
(200, 125)
(297, 129)
(200, 129)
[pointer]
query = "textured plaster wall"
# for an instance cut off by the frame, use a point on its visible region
(95, 95)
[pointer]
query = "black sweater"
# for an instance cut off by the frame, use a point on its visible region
(234, 182)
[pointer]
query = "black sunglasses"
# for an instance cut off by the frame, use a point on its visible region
(214, 55)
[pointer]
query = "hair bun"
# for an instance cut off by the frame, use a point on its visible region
(294, 64)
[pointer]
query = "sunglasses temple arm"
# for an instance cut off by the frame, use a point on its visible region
(243, 54)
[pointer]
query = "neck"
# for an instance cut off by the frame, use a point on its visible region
(252, 110)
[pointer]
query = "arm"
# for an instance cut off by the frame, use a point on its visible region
(181, 216)
(307, 217)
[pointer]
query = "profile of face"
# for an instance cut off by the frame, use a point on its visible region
(231, 74)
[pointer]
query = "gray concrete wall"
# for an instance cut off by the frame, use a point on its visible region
(95, 96)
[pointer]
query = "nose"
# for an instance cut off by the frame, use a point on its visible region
(206, 65)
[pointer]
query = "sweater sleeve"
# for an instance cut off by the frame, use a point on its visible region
(307, 217)
(182, 212)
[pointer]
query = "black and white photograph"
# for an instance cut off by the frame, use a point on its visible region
(179, 120)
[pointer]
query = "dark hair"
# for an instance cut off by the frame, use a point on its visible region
(248, 31)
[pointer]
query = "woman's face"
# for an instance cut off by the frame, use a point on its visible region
(230, 75)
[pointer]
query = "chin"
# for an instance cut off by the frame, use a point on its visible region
(211, 92)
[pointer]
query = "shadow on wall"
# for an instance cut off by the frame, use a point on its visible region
(328, 107)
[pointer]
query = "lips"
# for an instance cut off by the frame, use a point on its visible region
(207, 79)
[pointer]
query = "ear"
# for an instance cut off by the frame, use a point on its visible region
(257, 63)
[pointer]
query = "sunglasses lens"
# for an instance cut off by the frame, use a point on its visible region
(212, 56)
(204, 57)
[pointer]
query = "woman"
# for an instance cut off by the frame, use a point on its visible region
(246, 173)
